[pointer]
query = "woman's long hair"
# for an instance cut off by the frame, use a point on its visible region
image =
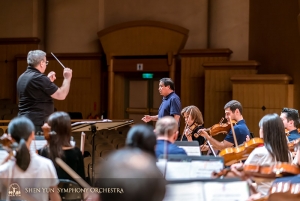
(60, 123)
(142, 136)
(20, 128)
(274, 137)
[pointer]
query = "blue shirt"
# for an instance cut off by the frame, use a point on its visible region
(294, 135)
(241, 131)
(171, 148)
(170, 106)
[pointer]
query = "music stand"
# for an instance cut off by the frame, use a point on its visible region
(95, 126)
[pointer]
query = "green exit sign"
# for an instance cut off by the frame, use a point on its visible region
(147, 75)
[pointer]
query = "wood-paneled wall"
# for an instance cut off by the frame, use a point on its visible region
(9, 48)
(262, 94)
(85, 94)
(218, 87)
(192, 74)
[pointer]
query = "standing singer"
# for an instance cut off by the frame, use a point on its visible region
(36, 90)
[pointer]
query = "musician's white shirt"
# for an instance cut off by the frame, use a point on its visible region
(35, 181)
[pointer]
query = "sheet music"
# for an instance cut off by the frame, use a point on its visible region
(178, 170)
(190, 169)
(207, 191)
(184, 192)
(224, 191)
(192, 150)
(204, 169)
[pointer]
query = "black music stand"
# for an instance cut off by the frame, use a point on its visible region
(95, 126)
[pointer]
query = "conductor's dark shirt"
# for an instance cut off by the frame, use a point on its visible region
(34, 92)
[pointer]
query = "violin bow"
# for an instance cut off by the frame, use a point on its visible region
(233, 133)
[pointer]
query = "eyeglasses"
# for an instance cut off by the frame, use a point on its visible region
(47, 62)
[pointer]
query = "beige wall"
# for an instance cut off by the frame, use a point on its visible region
(229, 26)
(190, 14)
(72, 25)
(22, 18)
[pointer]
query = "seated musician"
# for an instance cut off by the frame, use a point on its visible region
(59, 146)
(143, 137)
(194, 121)
(26, 169)
(233, 110)
(166, 130)
(290, 118)
(275, 149)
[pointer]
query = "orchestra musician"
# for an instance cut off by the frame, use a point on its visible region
(27, 168)
(194, 122)
(59, 146)
(274, 150)
(290, 118)
(233, 110)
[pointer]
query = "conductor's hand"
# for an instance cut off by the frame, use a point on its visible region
(51, 76)
(67, 73)
(147, 118)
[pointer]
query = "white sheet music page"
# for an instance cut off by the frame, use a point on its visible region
(204, 169)
(38, 144)
(224, 191)
(192, 150)
(178, 170)
(184, 192)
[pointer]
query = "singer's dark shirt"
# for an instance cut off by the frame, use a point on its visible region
(34, 92)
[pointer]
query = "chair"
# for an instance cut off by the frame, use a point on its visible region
(104, 153)
(73, 195)
(117, 141)
(120, 145)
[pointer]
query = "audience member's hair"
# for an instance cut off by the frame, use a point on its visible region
(142, 136)
(34, 57)
(274, 137)
(233, 105)
(133, 171)
(166, 126)
(20, 128)
(291, 114)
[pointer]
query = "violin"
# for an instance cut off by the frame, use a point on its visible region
(9, 145)
(190, 129)
(265, 171)
(220, 128)
(234, 154)
(292, 144)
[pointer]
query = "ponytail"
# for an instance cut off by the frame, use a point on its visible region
(23, 155)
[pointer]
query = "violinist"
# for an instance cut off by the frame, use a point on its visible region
(26, 168)
(290, 118)
(275, 149)
(194, 121)
(59, 146)
(233, 110)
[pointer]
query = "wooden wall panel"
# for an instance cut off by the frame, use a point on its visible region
(9, 48)
(119, 97)
(218, 87)
(192, 75)
(261, 95)
(85, 92)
